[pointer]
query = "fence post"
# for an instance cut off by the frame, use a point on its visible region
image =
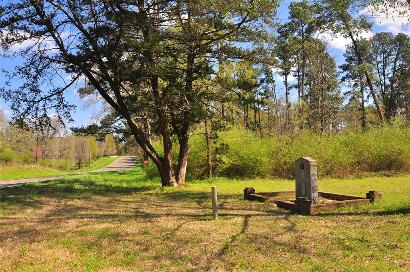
(214, 203)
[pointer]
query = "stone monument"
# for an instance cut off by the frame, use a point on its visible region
(306, 180)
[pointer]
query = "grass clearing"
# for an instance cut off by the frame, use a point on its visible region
(33, 171)
(123, 222)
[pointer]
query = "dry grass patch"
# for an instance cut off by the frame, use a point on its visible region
(120, 222)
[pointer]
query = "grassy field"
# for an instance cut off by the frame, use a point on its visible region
(32, 171)
(123, 222)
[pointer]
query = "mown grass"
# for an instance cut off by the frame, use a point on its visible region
(32, 171)
(124, 222)
(97, 164)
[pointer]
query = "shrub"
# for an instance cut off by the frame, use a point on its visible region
(240, 153)
(57, 164)
(151, 170)
(246, 155)
(6, 155)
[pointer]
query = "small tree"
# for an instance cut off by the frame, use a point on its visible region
(110, 145)
(93, 148)
(82, 150)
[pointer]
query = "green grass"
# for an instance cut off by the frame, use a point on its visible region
(27, 171)
(32, 171)
(123, 222)
(97, 164)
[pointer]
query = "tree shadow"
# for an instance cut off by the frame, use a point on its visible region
(244, 228)
(395, 211)
(29, 195)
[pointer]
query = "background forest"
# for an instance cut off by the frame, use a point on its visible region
(295, 101)
(54, 147)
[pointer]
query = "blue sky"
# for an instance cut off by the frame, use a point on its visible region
(389, 21)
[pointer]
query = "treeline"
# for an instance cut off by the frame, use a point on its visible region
(171, 69)
(242, 153)
(25, 146)
(306, 89)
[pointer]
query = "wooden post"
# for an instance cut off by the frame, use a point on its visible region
(247, 192)
(373, 196)
(214, 203)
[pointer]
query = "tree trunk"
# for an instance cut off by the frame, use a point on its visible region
(244, 116)
(287, 101)
(391, 110)
(375, 97)
(302, 87)
(298, 77)
(260, 122)
(164, 164)
(182, 157)
(255, 114)
(368, 79)
(363, 109)
(168, 176)
(166, 172)
(147, 128)
(208, 150)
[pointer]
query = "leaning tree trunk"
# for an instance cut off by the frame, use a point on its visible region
(164, 164)
(147, 128)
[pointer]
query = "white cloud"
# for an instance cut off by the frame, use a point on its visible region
(382, 15)
(43, 43)
(5, 111)
(338, 41)
(334, 41)
(277, 73)
(26, 43)
(393, 19)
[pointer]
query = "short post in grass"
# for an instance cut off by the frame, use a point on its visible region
(373, 196)
(306, 179)
(214, 203)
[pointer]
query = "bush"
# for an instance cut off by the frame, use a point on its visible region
(246, 155)
(6, 155)
(151, 170)
(57, 164)
(240, 153)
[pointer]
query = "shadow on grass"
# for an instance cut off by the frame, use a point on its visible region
(389, 211)
(29, 195)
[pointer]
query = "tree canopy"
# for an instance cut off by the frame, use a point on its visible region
(144, 58)
(166, 67)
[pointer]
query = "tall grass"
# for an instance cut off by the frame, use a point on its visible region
(240, 153)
